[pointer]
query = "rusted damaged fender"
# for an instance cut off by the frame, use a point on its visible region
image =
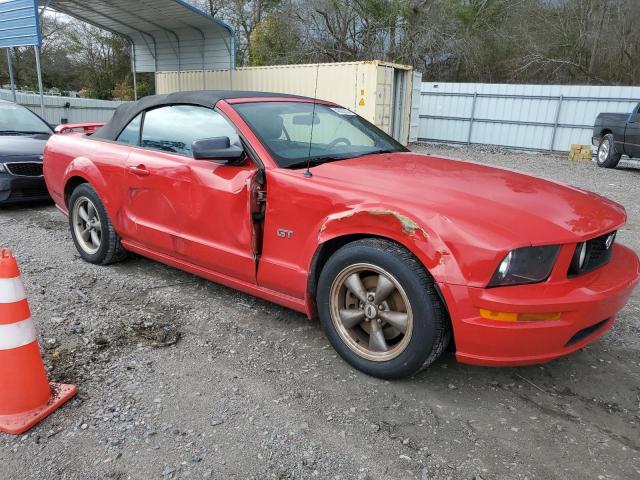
(398, 226)
(474, 215)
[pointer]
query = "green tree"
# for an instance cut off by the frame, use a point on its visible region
(102, 57)
(273, 41)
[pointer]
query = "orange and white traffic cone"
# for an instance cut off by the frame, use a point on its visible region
(26, 397)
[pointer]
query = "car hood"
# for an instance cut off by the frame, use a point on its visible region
(480, 204)
(15, 146)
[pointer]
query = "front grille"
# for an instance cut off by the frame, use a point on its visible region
(24, 169)
(598, 253)
(29, 193)
(585, 332)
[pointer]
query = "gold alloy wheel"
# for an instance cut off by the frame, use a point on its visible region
(371, 312)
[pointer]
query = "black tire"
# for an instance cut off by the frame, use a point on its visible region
(431, 330)
(610, 157)
(110, 249)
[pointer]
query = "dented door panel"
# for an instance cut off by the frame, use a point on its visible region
(191, 209)
(219, 230)
(158, 194)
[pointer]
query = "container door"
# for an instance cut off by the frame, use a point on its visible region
(414, 124)
(398, 106)
(384, 98)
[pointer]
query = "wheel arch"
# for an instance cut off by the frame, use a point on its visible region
(609, 131)
(71, 184)
(332, 245)
(324, 252)
(83, 170)
(422, 240)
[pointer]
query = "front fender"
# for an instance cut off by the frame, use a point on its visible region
(421, 240)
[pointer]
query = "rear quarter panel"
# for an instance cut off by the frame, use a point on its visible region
(99, 163)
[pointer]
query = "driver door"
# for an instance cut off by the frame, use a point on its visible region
(193, 210)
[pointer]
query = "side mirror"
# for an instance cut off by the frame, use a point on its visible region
(218, 149)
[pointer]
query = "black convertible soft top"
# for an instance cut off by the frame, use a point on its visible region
(205, 98)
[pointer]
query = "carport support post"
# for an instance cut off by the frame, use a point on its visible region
(473, 113)
(555, 122)
(39, 70)
(11, 79)
(133, 71)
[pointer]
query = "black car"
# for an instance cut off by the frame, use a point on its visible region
(616, 134)
(23, 135)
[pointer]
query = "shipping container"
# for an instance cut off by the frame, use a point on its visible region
(378, 91)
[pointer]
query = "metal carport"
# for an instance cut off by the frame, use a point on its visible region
(165, 35)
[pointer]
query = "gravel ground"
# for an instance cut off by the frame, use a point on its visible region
(182, 378)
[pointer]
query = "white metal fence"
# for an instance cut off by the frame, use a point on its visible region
(65, 109)
(527, 117)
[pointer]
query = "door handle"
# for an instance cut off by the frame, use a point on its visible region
(139, 170)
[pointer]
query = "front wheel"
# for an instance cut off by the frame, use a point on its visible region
(93, 234)
(380, 310)
(607, 155)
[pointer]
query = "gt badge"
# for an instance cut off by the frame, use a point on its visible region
(282, 233)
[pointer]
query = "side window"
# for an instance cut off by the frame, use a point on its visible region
(131, 134)
(175, 128)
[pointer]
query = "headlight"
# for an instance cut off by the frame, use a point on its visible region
(525, 265)
(2, 169)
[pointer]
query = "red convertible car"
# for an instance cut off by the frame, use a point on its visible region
(304, 203)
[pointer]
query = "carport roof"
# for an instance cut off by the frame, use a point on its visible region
(167, 35)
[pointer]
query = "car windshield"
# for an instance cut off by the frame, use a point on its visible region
(295, 134)
(17, 120)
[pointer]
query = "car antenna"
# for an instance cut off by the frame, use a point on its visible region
(307, 172)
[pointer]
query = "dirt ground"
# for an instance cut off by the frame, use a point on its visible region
(182, 378)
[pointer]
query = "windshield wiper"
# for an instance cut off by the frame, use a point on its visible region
(375, 152)
(314, 161)
(18, 132)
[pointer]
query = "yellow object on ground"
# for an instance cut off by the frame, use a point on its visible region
(580, 152)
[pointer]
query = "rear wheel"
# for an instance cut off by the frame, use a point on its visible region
(607, 155)
(93, 234)
(380, 310)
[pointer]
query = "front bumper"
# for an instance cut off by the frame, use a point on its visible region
(15, 189)
(589, 304)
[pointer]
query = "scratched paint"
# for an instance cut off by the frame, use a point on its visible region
(409, 226)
